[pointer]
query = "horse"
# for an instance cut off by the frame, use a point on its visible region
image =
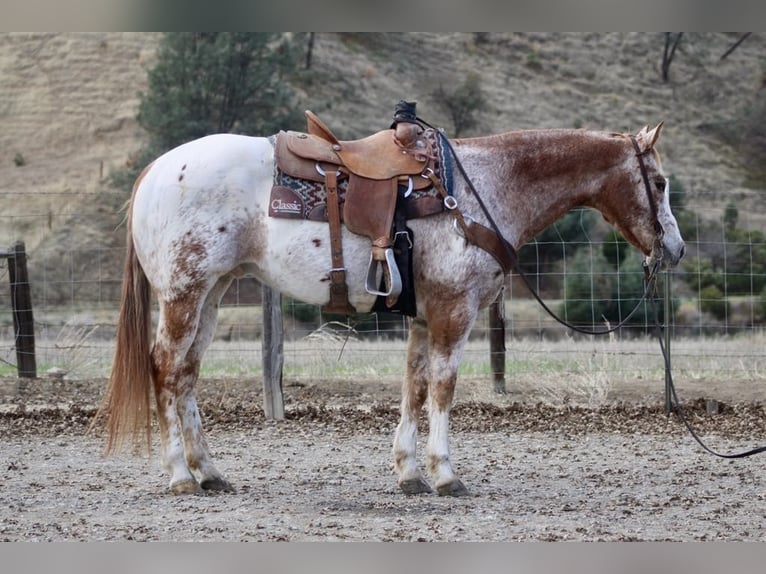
(198, 217)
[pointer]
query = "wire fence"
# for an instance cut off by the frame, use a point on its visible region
(75, 249)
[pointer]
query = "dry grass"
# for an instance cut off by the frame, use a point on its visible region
(582, 372)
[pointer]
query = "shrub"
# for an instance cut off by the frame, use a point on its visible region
(463, 104)
(615, 248)
(712, 301)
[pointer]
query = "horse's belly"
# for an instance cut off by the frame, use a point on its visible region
(297, 261)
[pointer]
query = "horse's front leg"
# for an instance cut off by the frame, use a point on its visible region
(414, 392)
(447, 334)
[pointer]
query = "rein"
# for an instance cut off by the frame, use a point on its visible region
(650, 281)
(677, 404)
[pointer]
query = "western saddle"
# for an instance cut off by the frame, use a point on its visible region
(374, 170)
(374, 167)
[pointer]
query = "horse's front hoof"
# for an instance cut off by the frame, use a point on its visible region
(454, 488)
(184, 487)
(217, 484)
(415, 486)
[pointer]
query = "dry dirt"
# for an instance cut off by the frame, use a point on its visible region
(621, 471)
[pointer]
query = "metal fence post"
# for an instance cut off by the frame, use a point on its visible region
(497, 341)
(667, 322)
(23, 319)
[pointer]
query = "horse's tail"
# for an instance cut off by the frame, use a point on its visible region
(126, 404)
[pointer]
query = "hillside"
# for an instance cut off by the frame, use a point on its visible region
(68, 101)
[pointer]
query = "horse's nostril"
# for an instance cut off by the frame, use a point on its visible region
(683, 251)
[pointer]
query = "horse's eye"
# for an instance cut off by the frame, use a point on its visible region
(659, 183)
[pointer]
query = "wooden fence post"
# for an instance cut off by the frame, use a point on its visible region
(272, 349)
(497, 341)
(23, 319)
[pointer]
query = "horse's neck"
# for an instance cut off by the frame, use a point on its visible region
(535, 177)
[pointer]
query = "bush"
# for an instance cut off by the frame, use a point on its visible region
(736, 265)
(215, 82)
(615, 248)
(301, 312)
(712, 301)
(595, 292)
(463, 104)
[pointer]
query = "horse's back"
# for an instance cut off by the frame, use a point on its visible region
(206, 163)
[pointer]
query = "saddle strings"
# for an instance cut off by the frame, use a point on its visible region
(650, 279)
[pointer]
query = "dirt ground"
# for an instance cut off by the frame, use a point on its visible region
(620, 471)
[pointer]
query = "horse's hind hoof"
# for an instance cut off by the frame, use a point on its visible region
(415, 486)
(217, 484)
(454, 488)
(186, 487)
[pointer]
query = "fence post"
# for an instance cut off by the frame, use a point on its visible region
(23, 319)
(497, 341)
(667, 316)
(272, 349)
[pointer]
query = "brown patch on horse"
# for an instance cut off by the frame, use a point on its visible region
(417, 367)
(190, 254)
(448, 321)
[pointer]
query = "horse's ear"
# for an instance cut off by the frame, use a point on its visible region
(654, 135)
(647, 138)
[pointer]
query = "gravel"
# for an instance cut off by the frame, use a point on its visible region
(536, 472)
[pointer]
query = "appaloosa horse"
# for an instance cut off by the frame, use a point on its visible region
(199, 218)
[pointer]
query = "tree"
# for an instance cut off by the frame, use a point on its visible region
(615, 248)
(462, 104)
(735, 45)
(214, 82)
(595, 292)
(588, 288)
(671, 44)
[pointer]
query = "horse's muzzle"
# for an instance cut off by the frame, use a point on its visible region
(669, 254)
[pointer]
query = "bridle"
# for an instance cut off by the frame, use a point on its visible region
(658, 229)
(645, 176)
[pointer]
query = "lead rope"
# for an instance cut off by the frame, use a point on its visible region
(677, 404)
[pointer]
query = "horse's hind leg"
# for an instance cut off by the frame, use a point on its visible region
(186, 327)
(197, 452)
(176, 332)
(414, 393)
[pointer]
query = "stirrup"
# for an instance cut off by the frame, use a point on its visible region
(393, 272)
